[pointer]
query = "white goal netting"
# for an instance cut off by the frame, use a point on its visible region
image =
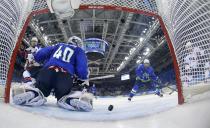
(13, 14)
(188, 25)
(187, 22)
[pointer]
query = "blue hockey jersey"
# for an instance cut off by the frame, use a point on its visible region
(145, 74)
(67, 56)
(93, 89)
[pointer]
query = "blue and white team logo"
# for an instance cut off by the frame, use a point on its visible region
(145, 76)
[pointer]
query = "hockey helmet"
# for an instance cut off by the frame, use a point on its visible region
(34, 41)
(76, 41)
(146, 63)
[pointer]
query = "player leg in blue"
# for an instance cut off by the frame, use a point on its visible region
(134, 89)
(157, 90)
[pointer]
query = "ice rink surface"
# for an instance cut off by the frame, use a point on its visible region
(148, 111)
(123, 109)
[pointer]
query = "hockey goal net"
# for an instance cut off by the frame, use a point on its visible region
(185, 24)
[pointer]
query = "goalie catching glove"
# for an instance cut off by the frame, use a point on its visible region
(27, 95)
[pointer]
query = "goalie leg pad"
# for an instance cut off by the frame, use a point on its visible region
(28, 96)
(23, 98)
(76, 101)
(63, 102)
(81, 105)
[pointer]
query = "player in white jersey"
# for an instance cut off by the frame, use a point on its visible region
(31, 66)
(31, 50)
(191, 62)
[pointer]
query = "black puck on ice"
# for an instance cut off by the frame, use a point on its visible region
(110, 108)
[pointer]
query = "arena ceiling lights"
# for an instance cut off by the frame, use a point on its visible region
(131, 52)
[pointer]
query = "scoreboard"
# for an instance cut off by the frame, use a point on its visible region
(95, 48)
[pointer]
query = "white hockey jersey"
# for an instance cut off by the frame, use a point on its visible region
(30, 57)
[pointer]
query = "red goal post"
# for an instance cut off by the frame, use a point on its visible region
(172, 18)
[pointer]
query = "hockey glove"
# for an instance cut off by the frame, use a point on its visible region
(82, 83)
(31, 58)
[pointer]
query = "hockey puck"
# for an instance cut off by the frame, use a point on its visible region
(110, 108)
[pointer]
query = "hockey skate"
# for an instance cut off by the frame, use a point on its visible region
(159, 94)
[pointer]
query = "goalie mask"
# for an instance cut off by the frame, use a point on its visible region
(76, 41)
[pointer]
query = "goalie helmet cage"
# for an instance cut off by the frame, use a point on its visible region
(182, 21)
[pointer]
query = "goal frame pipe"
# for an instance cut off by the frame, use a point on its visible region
(15, 51)
(99, 7)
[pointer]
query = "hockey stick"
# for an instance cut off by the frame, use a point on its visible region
(102, 77)
(167, 85)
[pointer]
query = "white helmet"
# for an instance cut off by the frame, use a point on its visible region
(76, 41)
(34, 39)
(146, 61)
